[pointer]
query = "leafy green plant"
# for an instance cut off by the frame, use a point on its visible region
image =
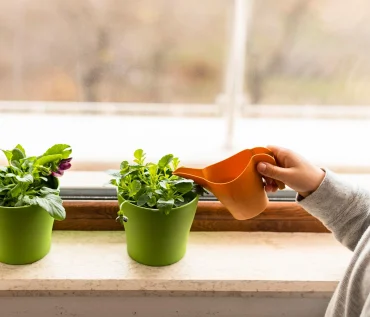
(32, 180)
(153, 185)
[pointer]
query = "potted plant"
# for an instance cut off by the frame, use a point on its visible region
(156, 208)
(30, 202)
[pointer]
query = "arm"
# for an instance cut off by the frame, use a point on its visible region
(344, 209)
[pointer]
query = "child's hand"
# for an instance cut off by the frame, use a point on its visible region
(293, 170)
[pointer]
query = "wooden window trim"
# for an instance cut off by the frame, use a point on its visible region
(211, 216)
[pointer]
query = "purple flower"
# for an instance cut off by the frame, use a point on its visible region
(63, 165)
(58, 173)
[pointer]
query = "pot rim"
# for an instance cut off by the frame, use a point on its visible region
(19, 207)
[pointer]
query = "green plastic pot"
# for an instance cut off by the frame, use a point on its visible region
(25, 234)
(156, 239)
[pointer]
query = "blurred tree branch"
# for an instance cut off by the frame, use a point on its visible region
(258, 74)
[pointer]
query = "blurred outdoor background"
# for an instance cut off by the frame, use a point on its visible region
(82, 55)
(174, 51)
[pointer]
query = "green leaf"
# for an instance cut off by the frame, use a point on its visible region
(3, 189)
(3, 169)
(16, 190)
(184, 186)
(142, 200)
(159, 191)
(48, 159)
(29, 201)
(129, 172)
(134, 187)
(179, 201)
(25, 164)
(8, 155)
(163, 184)
(53, 205)
(25, 179)
(152, 201)
(153, 169)
(19, 203)
(113, 182)
(17, 155)
(124, 167)
(44, 170)
(175, 163)
(32, 158)
(20, 147)
(139, 156)
(165, 160)
(165, 206)
(62, 149)
(16, 164)
(46, 190)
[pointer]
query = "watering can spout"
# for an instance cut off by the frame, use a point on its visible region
(196, 174)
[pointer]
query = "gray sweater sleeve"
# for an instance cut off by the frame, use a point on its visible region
(343, 208)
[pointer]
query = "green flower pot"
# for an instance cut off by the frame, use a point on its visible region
(156, 239)
(25, 234)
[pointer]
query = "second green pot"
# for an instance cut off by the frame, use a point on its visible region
(154, 238)
(25, 234)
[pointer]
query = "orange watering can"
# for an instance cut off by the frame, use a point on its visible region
(235, 181)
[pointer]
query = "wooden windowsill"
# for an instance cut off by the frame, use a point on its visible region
(210, 216)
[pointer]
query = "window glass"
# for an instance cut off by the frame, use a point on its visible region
(113, 51)
(199, 79)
